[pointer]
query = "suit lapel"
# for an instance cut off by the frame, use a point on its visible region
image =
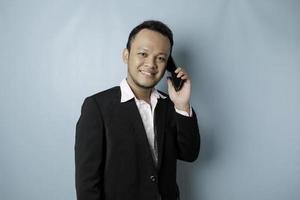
(160, 117)
(130, 109)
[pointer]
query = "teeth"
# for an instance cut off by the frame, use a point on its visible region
(147, 73)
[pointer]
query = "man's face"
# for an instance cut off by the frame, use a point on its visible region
(147, 59)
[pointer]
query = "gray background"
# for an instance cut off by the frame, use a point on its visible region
(243, 57)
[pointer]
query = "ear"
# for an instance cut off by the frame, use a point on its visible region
(125, 55)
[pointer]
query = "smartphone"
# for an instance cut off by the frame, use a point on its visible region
(171, 67)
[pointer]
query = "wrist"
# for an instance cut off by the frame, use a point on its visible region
(183, 107)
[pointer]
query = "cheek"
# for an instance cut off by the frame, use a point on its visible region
(137, 62)
(162, 67)
(134, 65)
(161, 71)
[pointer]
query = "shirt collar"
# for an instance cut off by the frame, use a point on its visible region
(127, 94)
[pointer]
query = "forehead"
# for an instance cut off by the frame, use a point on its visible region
(151, 40)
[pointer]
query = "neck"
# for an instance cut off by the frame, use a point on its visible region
(139, 92)
(143, 96)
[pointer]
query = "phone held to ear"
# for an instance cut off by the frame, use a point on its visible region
(171, 67)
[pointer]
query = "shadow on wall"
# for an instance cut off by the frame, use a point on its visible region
(189, 173)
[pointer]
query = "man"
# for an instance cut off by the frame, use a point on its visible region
(129, 137)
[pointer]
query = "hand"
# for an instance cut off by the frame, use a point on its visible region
(181, 98)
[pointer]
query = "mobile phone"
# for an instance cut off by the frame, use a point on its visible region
(171, 67)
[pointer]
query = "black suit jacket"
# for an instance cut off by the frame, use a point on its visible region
(113, 160)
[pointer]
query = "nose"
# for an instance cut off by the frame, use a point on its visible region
(150, 62)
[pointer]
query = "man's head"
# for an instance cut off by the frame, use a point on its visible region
(148, 48)
(153, 25)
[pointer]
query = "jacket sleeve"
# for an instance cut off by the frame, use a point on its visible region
(188, 137)
(89, 151)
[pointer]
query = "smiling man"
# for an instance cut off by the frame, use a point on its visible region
(129, 137)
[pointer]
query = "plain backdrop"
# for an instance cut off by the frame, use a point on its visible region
(244, 60)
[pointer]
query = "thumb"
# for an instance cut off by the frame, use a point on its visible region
(170, 84)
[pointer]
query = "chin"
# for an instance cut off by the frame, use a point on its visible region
(146, 85)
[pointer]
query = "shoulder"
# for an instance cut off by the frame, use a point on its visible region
(111, 93)
(162, 93)
(167, 97)
(105, 98)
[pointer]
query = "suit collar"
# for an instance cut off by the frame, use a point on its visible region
(127, 93)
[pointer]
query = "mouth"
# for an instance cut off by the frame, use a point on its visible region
(148, 73)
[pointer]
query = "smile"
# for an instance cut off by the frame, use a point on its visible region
(147, 73)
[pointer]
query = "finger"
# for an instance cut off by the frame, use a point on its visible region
(178, 69)
(184, 77)
(179, 74)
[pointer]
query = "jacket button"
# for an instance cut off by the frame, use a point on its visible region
(152, 178)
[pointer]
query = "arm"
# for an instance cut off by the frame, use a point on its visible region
(188, 137)
(89, 150)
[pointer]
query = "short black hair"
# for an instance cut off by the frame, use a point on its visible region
(153, 25)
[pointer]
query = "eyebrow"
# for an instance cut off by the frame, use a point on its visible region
(145, 49)
(142, 48)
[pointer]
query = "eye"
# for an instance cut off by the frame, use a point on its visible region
(161, 59)
(142, 54)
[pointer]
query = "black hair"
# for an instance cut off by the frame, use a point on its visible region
(153, 25)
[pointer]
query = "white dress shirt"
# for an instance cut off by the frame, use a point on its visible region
(147, 112)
